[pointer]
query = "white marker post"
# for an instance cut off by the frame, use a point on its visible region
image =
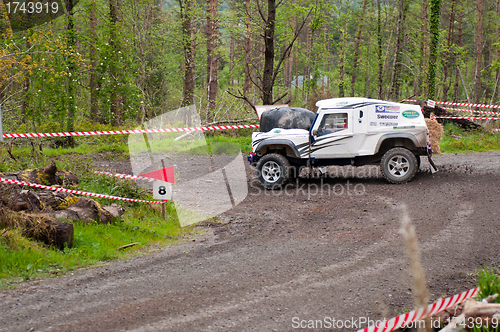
(163, 191)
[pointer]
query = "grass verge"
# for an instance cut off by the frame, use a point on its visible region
(23, 259)
(457, 140)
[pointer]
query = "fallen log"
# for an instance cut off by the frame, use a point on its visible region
(47, 230)
(43, 175)
(438, 111)
(460, 322)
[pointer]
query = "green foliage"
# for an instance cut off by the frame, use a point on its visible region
(489, 282)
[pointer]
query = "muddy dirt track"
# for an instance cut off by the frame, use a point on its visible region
(278, 260)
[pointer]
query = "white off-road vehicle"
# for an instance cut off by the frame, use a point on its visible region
(345, 131)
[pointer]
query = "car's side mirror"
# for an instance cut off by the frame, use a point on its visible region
(315, 132)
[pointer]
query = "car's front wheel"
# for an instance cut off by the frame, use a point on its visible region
(273, 171)
(399, 165)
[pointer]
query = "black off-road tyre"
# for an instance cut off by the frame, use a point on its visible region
(398, 165)
(273, 171)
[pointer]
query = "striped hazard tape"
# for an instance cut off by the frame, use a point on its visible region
(126, 176)
(406, 319)
(470, 111)
(459, 104)
(465, 118)
(77, 192)
(126, 132)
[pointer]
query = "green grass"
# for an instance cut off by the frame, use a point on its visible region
(243, 142)
(224, 144)
(469, 141)
(489, 282)
(23, 259)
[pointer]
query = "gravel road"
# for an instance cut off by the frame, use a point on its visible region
(325, 249)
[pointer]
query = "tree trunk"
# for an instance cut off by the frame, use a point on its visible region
(356, 47)
(289, 72)
(70, 33)
(212, 57)
(342, 44)
(423, 49)
(497, 76)
(456, 88)
(479, 42)
(379, 51)
(231, 60)
(187, 13)
(26, 87)
(247, 49)
(267, 84)
(116, 107)
(448, 55)
(434, 30)
(94, 104)
(297, 89)
(396, 65)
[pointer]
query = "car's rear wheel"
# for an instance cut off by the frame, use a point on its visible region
(273, 171)
(399, 165)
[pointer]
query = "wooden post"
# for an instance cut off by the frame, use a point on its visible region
(163, 214)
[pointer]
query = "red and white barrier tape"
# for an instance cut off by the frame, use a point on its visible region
(465, 118)
(126, 176)
(125, 132)
(470, 111)
(78, 192)
(460, 104)
(406, 319)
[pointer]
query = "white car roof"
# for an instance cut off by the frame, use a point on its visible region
(350, 101)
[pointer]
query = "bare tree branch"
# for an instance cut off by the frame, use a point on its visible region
(279, 98)
(261, 13)
(243, 97)
(280, 3)
(230, 121)
(254, 83)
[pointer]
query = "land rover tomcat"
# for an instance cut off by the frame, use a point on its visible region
(345, 131)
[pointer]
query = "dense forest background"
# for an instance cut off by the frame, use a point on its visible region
(120, 62)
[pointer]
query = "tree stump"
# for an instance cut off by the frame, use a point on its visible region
(47, 230)
(44, 175)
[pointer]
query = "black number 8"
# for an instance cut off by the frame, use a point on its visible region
(162, 190)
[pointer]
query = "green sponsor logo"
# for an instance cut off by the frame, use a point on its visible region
(411, 114)
(277, 131)
(404, 127)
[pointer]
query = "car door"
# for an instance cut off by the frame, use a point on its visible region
(332, 134)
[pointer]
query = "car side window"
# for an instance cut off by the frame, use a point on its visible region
(332, 123)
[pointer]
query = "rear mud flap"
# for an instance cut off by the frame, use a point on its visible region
(433, 166)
